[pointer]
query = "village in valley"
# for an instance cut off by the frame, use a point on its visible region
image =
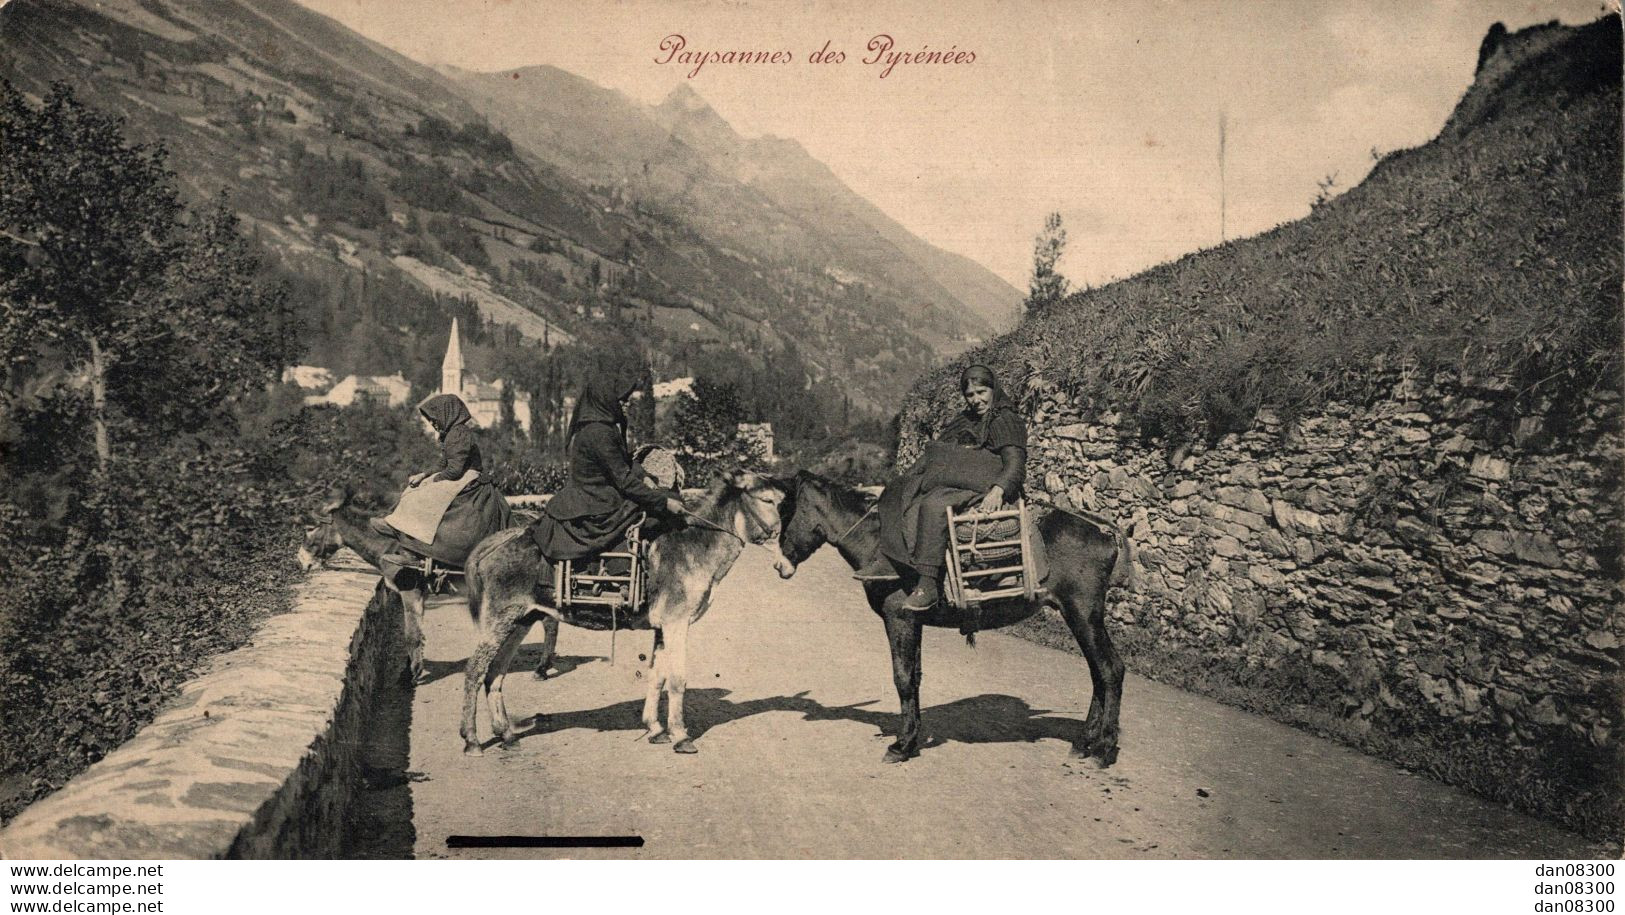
(485, 399)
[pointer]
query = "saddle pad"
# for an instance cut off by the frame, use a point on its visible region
(1003, 529)
(972, 531)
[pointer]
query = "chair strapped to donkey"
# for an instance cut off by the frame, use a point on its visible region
(991, 555)
(613, 579)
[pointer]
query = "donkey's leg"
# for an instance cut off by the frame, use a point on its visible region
(501, 724)
(677, 685)
(474, 672)
(904, 631)
(550, 644)
(657, 683)
(412, 628)
(1083, 606)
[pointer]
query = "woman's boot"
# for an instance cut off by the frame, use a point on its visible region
(924, 596)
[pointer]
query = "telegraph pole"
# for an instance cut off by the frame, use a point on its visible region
(1223, 123)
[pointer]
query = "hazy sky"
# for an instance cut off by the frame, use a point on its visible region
(1105, 111)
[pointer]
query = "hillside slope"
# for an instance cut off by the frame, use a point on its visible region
(1369, 463)
(765, 195)
(1492, 250)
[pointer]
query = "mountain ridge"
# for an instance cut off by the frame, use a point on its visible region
(344, 156)
(685, 153)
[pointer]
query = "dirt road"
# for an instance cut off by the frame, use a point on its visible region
(790, 696)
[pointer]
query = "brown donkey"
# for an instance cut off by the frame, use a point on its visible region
(344, 525)
(1086, 556)
(510, 588)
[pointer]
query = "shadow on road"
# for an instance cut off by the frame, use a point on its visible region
(988, 718)
(524, 661)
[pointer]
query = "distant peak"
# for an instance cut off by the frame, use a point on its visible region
(685, 98)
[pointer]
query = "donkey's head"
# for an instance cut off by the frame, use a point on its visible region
(759, 498)
(323, 540)
(815, 511)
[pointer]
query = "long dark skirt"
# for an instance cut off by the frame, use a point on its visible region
(913, 508)
(578, 537)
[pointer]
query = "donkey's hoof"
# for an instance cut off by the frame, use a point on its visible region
(686, 745)
(541, 674)
(1107, 757)
(470, 748)
(895, 754)
(1081, 751)
(661, 737)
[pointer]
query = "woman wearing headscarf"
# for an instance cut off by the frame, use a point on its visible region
(606, 491)
(452, 505)
(979, 458)
(452, 423)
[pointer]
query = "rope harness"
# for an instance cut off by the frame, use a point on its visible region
(836, 541)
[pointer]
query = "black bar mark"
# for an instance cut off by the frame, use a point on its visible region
(544, 841)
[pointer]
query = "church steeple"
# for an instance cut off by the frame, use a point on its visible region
(451, 368)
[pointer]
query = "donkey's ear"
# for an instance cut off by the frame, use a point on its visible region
(337, 498)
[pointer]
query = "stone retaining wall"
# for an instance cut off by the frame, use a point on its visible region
(254, 759)
(1443, 556)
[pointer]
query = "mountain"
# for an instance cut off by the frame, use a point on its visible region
(384, 189)
(766, 195)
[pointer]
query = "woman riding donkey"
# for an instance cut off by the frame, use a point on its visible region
(453, 505)
(509, 575)
(979, 458)
(607, 493)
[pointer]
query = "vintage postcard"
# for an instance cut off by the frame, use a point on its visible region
(1001, 429)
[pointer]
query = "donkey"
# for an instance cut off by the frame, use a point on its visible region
(510, 584)
(346, 525)
(1086, 556)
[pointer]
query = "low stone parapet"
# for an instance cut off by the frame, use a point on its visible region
(254, 759)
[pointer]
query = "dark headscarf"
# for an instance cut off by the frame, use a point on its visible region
(601, 401)
(444, 411)
(981, 374)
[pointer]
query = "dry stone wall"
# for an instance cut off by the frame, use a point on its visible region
(1441, 556)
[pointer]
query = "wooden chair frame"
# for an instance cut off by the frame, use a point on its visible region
(959, 582)
(628, 596)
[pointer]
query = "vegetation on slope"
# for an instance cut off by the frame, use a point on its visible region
(1492, 252)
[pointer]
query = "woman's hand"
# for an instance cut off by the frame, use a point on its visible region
(416, 478)
(675, 505)
(993, 501)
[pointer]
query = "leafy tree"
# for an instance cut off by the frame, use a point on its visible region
(1046, 287)
(104, 279)
(142, 502)
(706, 421)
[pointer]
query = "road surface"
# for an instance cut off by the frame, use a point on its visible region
(791, 700)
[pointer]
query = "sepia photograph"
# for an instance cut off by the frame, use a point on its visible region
(1062, 430)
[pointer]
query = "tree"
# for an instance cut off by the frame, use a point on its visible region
(640, 414)
(506, 421)
(707, 419)
(106, 277)
(1047, 287)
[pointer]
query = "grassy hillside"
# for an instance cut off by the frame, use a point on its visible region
(1492, 250)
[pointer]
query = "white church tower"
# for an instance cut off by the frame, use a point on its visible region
(484, 401)
(451, 368)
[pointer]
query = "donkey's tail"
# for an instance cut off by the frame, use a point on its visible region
(473, 583)
(1123, 566)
